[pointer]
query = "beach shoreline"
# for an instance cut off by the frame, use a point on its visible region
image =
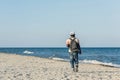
(19, 67)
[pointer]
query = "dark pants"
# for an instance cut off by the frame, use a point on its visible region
(73, 59)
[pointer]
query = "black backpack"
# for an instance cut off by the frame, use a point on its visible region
(74, 46)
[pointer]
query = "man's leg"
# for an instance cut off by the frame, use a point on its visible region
(72, 61)
(76, 62)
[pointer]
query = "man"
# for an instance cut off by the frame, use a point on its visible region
(74, 48)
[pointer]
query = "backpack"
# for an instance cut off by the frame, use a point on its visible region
(74, 46)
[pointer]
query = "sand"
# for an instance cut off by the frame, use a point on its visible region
(17, 67)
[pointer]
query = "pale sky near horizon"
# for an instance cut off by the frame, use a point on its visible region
(47, 23)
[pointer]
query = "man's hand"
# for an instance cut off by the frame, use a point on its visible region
(68, 45)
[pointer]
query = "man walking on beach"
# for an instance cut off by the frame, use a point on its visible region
(74, 48)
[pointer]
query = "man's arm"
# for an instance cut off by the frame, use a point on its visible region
(77, 40)
(68, 43)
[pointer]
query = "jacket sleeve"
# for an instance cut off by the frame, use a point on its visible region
(79, 46)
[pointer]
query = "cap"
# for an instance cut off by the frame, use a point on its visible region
(72, 33)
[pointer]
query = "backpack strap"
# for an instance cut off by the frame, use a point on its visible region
(72, 39)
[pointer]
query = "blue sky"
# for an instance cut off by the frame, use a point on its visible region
(47, 23)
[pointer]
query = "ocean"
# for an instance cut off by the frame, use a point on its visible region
(103, 56)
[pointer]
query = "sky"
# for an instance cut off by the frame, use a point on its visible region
(47, 23)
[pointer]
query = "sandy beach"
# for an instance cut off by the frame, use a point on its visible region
(17, 67)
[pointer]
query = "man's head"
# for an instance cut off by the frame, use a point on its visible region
(72, 34)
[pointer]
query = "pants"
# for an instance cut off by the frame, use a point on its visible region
(73, 59)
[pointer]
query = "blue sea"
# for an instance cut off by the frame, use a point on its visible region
(103, 56)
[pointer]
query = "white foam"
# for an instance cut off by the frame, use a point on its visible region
(56, 58)
(91, 61)
(28, 52)
(100, 63)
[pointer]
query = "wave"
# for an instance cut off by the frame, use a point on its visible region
(100, 63)
(89, 62)
(28, 52)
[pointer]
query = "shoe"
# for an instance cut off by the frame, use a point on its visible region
(76, 69)
(73, 69)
